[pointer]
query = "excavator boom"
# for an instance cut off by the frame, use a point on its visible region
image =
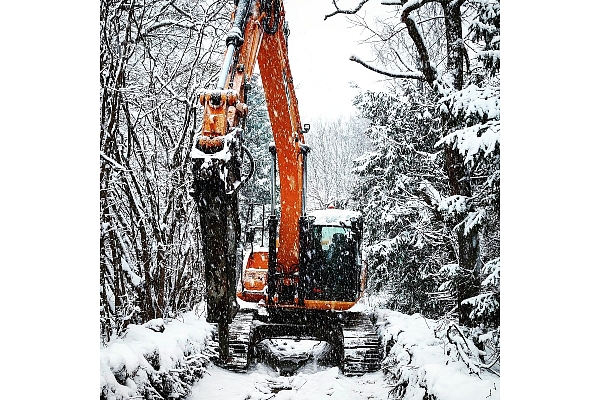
(258, 36)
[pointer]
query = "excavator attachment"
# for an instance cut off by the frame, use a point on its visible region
(216, 179)
(216, 166)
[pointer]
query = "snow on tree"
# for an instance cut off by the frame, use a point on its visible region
(398, 190)
(334, 144)
(413, 42)
(154, 56)
(428, 359)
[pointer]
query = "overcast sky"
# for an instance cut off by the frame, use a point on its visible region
(319, 54)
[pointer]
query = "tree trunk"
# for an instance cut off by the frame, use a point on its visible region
(467, 280)
(160, 293)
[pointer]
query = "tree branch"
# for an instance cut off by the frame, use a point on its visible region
(168, 22)
(400, 59)
(181, 11)
(338, 11)
(428, 71)
(409, 75)
(457, 3)
(474, 366)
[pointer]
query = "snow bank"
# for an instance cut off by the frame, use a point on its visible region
(422, 364)
(156, 359)
(163, 360)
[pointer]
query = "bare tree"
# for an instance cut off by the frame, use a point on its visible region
(334, 144)
(154, 55)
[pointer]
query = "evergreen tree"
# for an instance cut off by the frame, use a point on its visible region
(414, 47)
(406, 240)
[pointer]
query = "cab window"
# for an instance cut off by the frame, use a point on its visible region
(326, 235)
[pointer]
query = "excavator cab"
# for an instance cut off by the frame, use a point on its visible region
(333, 269)
(330, 274)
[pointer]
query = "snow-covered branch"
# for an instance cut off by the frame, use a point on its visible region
(429, 71)
(466, 349)
(400, 74)
(168, 22)
(409, 5)
(338, 11)
(169, 89)
(112, 161)
(179, 10)
(479, 108)
(415, 344)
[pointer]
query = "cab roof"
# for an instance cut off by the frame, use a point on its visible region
(333, 216)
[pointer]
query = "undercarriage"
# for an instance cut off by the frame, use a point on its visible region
(349, 338)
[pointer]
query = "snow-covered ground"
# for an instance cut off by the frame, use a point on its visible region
(420, 363)
(310, 382)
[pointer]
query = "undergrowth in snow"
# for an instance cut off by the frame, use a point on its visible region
(424, 359)
(428, 359)
(157, 360)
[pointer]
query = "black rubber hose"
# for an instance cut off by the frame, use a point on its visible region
(272, 9)
(247, 177)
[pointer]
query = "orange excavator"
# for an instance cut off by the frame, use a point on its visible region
(311, 273)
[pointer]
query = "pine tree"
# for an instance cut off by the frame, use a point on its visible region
(461, 72)
(400, 180)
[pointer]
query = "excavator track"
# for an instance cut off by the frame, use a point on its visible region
(361, 345)
(240, 331)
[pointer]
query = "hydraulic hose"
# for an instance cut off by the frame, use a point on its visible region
(251, 172)
(234, 40)
(272, 11)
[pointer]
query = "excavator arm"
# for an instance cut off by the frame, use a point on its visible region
(258, 34)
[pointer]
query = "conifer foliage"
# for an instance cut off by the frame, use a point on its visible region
(430, 187)
(398, 189)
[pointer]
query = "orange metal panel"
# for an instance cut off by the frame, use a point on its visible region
(258, 260)
(255, 272)
(252, 297)
(248, 51)
(328, 305)
(285, 121)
